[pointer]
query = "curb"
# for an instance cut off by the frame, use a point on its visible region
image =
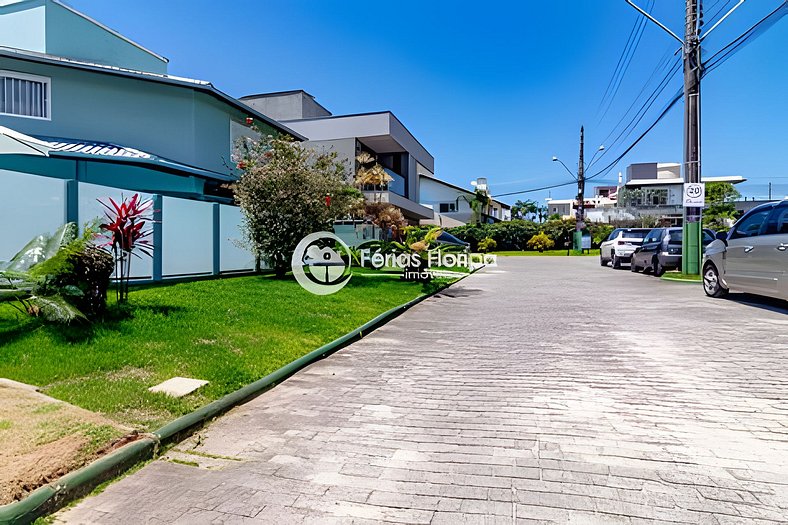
(49, 498)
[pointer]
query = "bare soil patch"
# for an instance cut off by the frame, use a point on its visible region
(41, 439)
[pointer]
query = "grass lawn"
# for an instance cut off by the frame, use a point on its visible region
(682, 277)
(591, 253)
(229, 331)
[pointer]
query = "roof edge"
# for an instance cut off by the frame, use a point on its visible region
(204, 86)
(367, 114)
(276, 94)
(110, 30)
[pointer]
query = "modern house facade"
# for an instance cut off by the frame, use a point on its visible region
(381, 134)
(118, 124)
(414, 189)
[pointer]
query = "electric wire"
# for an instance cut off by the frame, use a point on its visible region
(660, 67)
(570, 183)
(627, 130)
(678, 96)
(721, 56)
(627, 55)
(716, 60)
(712, 63)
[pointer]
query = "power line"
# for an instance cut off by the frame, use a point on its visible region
(618, 65)
(627, 55)
(570, 183)
(723, 7)
(661, 65)
(714, 61)
(664, 112)
(721, 56)
(647, 104)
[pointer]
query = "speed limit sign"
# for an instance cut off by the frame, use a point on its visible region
(694, 195)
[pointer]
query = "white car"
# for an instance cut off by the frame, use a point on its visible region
(620, 244)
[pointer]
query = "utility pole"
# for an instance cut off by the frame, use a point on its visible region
(691, 245)
(690, 45)
(580, 209)
(581, 185)
(770, 191)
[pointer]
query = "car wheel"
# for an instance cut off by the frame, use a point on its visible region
(632, 266)
(616, 262)
(602, 261)
(711, 282)
(656, 268)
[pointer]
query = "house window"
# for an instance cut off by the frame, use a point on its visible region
(24, 95)
(659, 197)
(448, 207)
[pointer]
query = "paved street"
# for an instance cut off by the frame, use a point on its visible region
(548, 390)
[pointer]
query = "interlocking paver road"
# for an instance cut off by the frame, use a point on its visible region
(548, 390)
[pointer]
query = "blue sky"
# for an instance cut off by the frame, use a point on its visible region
(491, 89)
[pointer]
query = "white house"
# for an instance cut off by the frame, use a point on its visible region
(451, 204)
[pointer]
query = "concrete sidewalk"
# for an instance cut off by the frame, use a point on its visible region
(548, 390)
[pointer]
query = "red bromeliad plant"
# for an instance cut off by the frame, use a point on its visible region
(127, 232)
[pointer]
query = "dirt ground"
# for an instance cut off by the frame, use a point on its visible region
(42, 439)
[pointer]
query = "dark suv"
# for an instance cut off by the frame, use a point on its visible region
(661, 250)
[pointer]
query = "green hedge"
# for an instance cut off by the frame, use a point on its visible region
(513, 235)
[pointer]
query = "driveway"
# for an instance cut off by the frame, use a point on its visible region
(547, 390)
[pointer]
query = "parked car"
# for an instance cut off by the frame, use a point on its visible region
(752, 257)
(661, 250)
(620, 244)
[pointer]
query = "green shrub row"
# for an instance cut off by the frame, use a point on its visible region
(514, 235)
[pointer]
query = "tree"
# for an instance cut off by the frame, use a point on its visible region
(522, 209)
(287, 191)
(370, 173)
(720, 210)
(477, 203)
(385, 216)
(541, 213)
(628, 197)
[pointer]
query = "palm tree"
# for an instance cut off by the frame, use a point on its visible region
(526, 208)
(477, 203)
(370, 173)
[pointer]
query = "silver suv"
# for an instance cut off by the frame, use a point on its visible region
(752, 257)
(620, 244)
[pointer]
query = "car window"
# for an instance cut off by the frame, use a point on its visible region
(634, 234)
(676, 236)
(750, 225)
(613, 234)
(778, 221)
(653, 236)
(707, 237)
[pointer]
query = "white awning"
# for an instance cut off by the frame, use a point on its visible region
(15, 143)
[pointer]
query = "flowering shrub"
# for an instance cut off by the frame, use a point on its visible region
(540, 242)
(487, 245)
